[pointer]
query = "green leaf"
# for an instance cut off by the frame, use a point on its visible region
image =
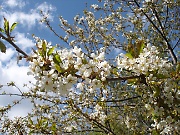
(57, 59)
(13, 26)
(50, 51)
(139, 46)
(142, 47)
(59, 69)
(30, 121)
(157, 91)
(129, 55)
(53, 127)
(131, 49)
(115, 71)
(44, 46)
(2, 47)
(6, 26)
(84, 61)
(1, 30)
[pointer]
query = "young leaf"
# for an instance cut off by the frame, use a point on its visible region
(129, 55)
(6, 26)
(58, 68)
(1, 30)
(13, 26)
(44, 46)
(53, 127)
(57, 59)
(44, 49)
(142, 47)
(84, 61)
(139, 45)
(50, 51)
(2, 47)
(130, 49)
(30, 121)
(157, 91)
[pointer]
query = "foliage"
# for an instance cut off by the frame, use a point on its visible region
(85, 91)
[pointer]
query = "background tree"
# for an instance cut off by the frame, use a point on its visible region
(85, 89)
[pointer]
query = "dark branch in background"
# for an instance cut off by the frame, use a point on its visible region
(177, 43)
(159, 21)
(121, 100)
(173, 56)
(8, 39)
(123, 78)
(167, 12)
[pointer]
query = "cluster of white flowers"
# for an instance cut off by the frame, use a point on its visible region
(147, 62)
(73, 63)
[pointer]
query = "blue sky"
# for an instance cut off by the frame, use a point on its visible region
(26, 13)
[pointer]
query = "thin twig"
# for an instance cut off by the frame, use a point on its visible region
(177, 43)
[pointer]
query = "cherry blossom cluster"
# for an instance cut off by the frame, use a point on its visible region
(148, 61)
(73, 64)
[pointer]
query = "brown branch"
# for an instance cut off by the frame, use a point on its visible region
(8, 39)
(159, 21)
(123, 78)
(120, 100)
(167, 12)
(177, 43)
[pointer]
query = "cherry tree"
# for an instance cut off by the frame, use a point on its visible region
(85, 89)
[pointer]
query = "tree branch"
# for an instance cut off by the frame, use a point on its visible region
(8, 39)
(123, 78)
(173, 56)
(120, 100)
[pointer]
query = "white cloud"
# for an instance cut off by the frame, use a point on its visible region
(45, 7)
(23, 42)
(14, 3)
(25, 19)
(13, 72)
(28, 19)
(47, 10)
(5, 57)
